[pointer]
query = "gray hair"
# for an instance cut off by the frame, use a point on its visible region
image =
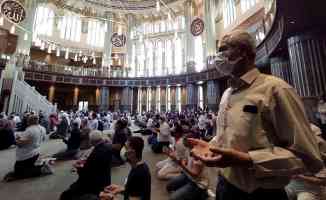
(95, 137)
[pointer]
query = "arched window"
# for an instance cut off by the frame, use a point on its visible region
(229, 12)
(141, 60)
(199, 57)
(133, 61)
(178, 56)
(43, 24)
(169, 57)
(158, 58)
(70, 27)
(149, 59)
(96, 33)
(247, 4)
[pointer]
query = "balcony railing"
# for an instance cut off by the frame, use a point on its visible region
(75, 71)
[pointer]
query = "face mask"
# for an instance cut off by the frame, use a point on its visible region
(123, 154)
(224, 65)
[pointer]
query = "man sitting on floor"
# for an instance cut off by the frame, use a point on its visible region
(138, 185)
(94, 173)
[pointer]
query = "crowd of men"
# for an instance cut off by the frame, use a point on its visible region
(260, 142)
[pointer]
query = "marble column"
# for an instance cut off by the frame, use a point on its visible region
(107, 51)
(75, 99)
(281, 68)
(213, 97)
(126, 101)
(51, 93)
(131, 24)
(104, 98)
(139, 100)
(210, 29)
(192, 96)
(190, 40)
(308, 61)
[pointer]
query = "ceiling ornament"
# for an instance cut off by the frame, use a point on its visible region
(197, 27)
(118, 40)
(14, 11)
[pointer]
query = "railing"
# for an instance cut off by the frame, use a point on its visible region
(26, 98)
(74, 70)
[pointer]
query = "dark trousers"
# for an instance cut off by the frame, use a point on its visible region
(226, 191)
(158, 147)
(183, 188)
(27, 169)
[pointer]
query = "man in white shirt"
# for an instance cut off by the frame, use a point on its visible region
(93, 122)
(164, 136)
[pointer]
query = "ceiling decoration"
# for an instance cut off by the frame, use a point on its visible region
(128, 5)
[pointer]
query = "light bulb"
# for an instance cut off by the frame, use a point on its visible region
(169, 16)
(119, 30)
(158, 6)
(25, 36)
(1, 21)
(67, 54)
(13, 29)
(42, 45)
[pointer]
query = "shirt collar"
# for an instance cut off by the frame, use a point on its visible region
(250, 76)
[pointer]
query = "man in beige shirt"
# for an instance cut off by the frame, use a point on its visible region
(263, 135)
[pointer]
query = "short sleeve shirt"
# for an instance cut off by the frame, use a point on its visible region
(139, 183)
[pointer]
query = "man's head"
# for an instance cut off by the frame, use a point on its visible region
(237, 51)
(95, 137)
(134, 149)
(32, 120)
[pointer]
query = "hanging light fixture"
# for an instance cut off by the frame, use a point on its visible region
(175, 35)
(169, 16)
(58, 52)
(13, 29)
(67, 54)
(26, 36)
(158, 6)
(2, 21)
(140, 38)
(49, 49)
(42, 45)
(119, 30)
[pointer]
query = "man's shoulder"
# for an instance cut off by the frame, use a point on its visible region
(273, 81)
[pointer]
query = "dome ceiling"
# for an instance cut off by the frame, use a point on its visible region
(120, 5)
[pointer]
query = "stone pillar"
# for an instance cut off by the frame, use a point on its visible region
(173, 98)
(126, 101)
(148, 99)
(213, 96)
(75, 99)
(139, 100)
(190, 40)
(281, 68)
(97, 98)
(107, 51)
(209, 18)
(104, 98)
(131, 24)
(158, 99)
(308, 61)
(192, 96)
(51, 93)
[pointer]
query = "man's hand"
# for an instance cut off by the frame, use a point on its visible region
(106, 196)
(79, 164)
(200, 148)
(218, 157)
(223, 157)
(114, 189)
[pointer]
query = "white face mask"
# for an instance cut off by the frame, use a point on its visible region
(224, 65)
(123, 154)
